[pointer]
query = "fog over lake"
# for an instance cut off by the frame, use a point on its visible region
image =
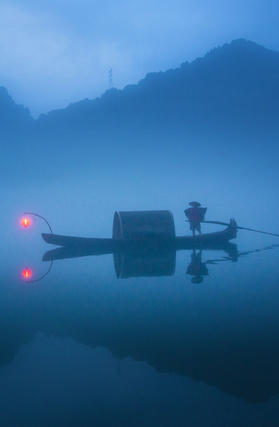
(87, 345)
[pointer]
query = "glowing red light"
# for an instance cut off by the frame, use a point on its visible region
(27, 274)
(25, 222)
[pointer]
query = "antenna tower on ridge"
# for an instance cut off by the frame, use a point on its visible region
(110, 79)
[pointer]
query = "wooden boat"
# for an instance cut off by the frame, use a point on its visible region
(79, 242)
(208, 240)
(145, 241)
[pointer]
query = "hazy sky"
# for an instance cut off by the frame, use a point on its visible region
(59, 51)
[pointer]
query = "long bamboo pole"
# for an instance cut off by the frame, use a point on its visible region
(240, 228)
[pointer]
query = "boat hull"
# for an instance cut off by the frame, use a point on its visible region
(207, 240)
(145, 242)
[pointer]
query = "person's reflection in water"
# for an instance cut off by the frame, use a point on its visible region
(197, 268)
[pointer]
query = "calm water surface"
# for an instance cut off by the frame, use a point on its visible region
(82, 347)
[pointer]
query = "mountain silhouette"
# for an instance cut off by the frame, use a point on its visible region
(14, 119)
(233, 87)
(227, 100)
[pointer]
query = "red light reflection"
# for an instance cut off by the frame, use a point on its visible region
(27, 274)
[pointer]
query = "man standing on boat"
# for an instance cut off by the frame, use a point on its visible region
(195, 215)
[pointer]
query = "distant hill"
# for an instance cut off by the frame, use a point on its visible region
(234, 87)
(228, 98)
(14, 119)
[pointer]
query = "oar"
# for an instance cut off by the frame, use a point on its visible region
(241, 228)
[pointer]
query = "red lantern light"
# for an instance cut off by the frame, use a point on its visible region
(25, 222)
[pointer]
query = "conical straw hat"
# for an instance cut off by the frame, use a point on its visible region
(195, 204)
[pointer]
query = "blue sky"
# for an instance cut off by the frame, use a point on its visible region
(59, 51)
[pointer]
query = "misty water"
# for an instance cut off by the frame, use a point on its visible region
(82, 347)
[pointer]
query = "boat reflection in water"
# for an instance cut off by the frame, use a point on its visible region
(142, 263)
(147, 260)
